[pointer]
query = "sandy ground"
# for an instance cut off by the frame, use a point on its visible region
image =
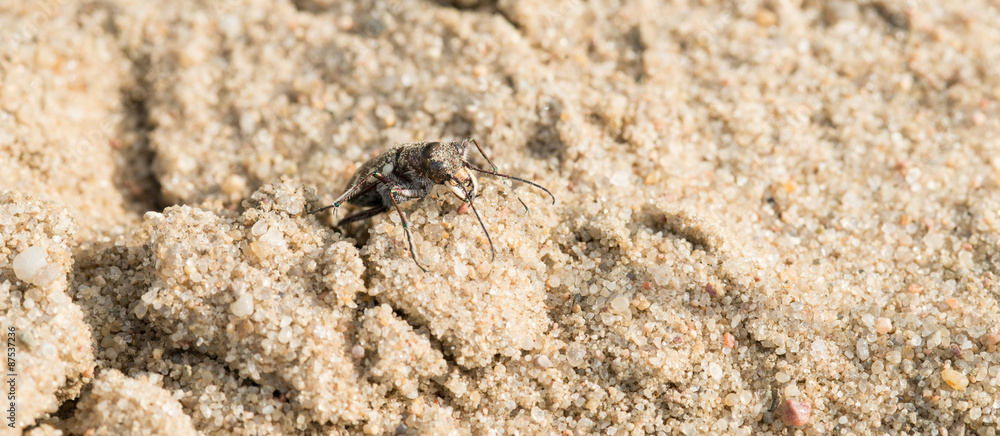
(772, 217)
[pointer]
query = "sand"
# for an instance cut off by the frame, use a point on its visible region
(770, 218)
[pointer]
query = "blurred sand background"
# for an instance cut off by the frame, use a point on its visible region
(773, 217)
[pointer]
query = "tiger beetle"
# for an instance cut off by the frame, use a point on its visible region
(408, 172)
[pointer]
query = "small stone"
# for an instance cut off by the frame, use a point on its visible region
(862, 348)
(991, 339)
(765, 18)
(728, 340)
(234, 185)
(619, 304)
(710, 289)
(575, 354)
(537, 415)
(819, 347)
(792, 390)
(883, 325)
(955, 379)
(796, 413)
(715, 370)
(28, 263)
(285, 335)
(457, 386)
(640, 302)
(543, 362)
(358, 352)
(259, 228)
(731, 400)
(461, 270)
(243, 306)
(978, 118)
(48, 274)
(955, 350)
(275, 238)
(621, 178)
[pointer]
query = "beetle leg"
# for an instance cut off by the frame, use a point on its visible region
(347, 195)
(393, 191)
(367, 213)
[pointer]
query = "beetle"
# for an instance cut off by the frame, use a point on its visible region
(409, 171)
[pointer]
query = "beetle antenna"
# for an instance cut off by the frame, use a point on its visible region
(495, 169)
(468, 197)
(508, 176)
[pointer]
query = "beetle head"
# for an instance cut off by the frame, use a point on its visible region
(439, 161)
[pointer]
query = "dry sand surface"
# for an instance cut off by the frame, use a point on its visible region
(772, 217)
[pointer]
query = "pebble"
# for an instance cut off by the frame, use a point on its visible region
(543, 362)
(782, 377)
(796, 413)
(28, 263)
(259, 228)
(883, 325)
(275, 238)
(576, 354)
(537, 415)
(619, 304)
(234, 185)
(992, 339)
(955, 379)
(461, 270)
(243, 306)
(710, 289)
(285, 335)
(728, 340)
(731, 399)
(952, 302)
(862, 348)
(715, 370)
(978, 118)
(641, 302)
